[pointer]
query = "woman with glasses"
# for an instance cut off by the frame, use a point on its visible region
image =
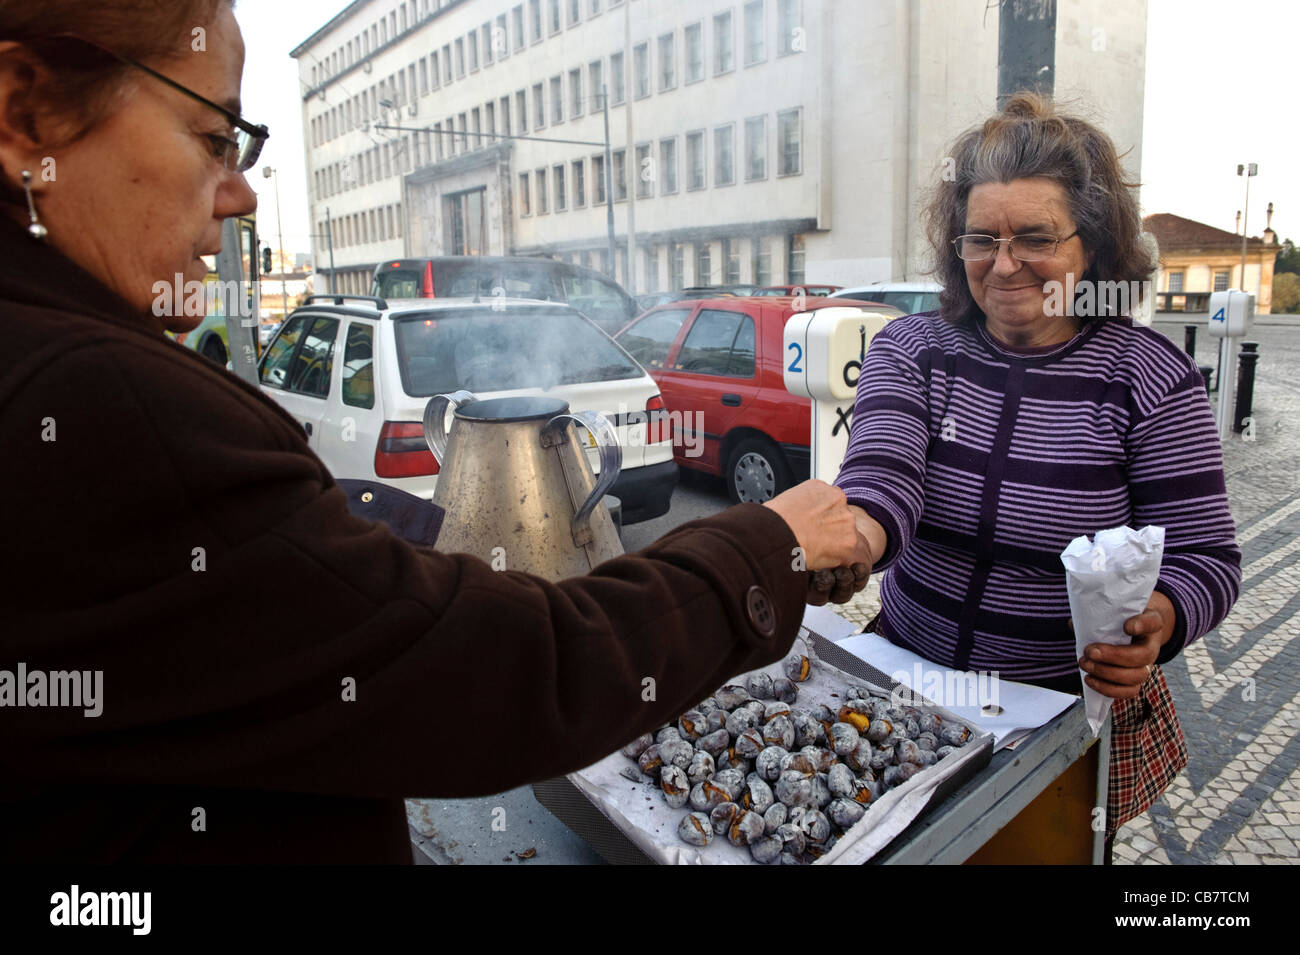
(1026, 411)
(266, 675)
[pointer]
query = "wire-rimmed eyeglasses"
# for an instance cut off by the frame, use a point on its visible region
(1031, 247)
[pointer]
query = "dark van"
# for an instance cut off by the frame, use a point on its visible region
(464, 276)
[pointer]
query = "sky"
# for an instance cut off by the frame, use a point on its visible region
(1216, 96)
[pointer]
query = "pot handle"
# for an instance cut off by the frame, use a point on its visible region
(611, 462)
(435, 415)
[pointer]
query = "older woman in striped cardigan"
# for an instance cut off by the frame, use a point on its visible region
(1030, 409)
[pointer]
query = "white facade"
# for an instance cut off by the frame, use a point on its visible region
(819, 125)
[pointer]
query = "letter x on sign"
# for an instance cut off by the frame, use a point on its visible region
(845, 420)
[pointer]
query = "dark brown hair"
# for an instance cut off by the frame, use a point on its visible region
(1029, 138)
(84, 88)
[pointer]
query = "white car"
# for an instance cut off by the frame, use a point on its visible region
(358, 371)
(908, 297)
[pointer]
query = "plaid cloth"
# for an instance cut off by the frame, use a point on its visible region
(1147, 751)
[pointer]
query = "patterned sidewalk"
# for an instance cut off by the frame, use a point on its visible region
(1238, 800)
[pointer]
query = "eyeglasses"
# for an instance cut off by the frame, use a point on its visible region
(238, 154)
(1032, 247)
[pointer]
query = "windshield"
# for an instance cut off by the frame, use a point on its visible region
(484, 350)
(461, 279)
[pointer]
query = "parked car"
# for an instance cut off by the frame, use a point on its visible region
(718, 363)
(908, 297)
(818, 291)
(523, 277)
(716, 291)
(358, 372)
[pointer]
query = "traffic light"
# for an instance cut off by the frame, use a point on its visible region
(266, 260)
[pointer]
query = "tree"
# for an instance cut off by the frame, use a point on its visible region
(1286, 292)
(1288, 259)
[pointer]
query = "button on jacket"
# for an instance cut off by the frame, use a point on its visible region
(287, 668)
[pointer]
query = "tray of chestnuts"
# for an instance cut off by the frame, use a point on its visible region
(797, 763)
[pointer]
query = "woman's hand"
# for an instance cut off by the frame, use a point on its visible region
(1120, 671)
(838, 585)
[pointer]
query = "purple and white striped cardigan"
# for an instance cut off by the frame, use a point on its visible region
(982, 463)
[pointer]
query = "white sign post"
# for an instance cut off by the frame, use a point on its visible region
(824, 351)
(1231, 314)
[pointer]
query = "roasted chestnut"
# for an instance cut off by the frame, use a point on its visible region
(750, 743)
(677, 752)
(731, 696)
(759, 686)
(927, 757)
(840, 779)
(746, 828)
(897, 775)
(675, 785)
(879, 730)
(860, 759)
(865, 790)
(954, 734)
(757, 795)
(794, 789)
(692, 724)
(757, 707)
(778, 731)
(667, 733)
(859, 721)
(717, 719)
(766, 850)
(722, 816)
(785, 690)
(816, 827)
(907, 752)
(775, 816)
(929, 723)
(845, 812)
(882, 756)
(706, 796)
(707, 705)
(823, 759)
(794, 838)
(927, 740)
(701, 767)
(714, 743)
(844, 738)
(822, 713)
(740, 720)
(730, 781)
(695, 829)
(768, 763)
(774, 709)
(806, 729)
(801, 761)
(638, 746)
(821, 791)
(943, 751)
(730, 759)
(650, 760)
(797, 667)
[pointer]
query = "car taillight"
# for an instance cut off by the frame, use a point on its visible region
(426, 289)
(658, 427)
(403, 452)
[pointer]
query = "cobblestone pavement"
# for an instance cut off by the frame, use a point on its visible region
(1236, 693)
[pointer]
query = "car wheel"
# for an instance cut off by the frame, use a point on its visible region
(756, 471)
(214, 351)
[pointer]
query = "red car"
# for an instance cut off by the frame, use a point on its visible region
(783, 290)
(718, 364)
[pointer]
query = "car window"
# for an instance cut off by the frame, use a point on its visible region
(520, 280)
(310, 374)
(359, 366)
(742, 352)
(651, 338)
(707, 349)
(597, 299)
(275, 366)
(483, 349)
(398, 283)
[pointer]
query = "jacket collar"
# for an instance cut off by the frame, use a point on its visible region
(37, 274)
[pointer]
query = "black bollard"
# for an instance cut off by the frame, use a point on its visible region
(1189, 339)
(1245, 385)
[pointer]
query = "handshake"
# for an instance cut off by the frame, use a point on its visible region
(838, 540)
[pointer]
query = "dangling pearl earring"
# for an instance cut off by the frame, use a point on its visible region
(35, 230)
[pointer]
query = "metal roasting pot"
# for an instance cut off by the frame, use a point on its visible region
(514, 480)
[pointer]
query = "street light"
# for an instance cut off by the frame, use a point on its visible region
(1246, 170)
(267, 173)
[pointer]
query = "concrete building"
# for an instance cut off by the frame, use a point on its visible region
(1197, 259)
(769, 141)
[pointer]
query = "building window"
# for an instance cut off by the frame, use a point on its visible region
(561, 194)
(517, 22)
(595, 9)
(435, 75)
(557, 100)
(491, 117)
(667, 62)
(598, 180)
(676, 266)
(756, 148)
(424, 77)
(535, 21)
(575, 12)
(472, 42)
(553, 7)
(525, 200)
(1221, 281)
(619, 93)
(723, 44)
(575, 93)
(521, 110)
(703, 264)
(788, 27)
(724, 155)
(645, 172)
(505, 117)
(755, 45)
(596, 80)
(446, 62)
(794, 274)
(1176, 281)
(460, 56)
(730, 262)
(579, 183)
(667, 166)
(540, 178)
(762, 263)
(501, 38)
(464, 134)
(788, 138)
(437, 139)
(539, 107)
(620, 174)
(641, 70)
(695, 161)
(694, 39)
(477, 128)
(485, 31)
